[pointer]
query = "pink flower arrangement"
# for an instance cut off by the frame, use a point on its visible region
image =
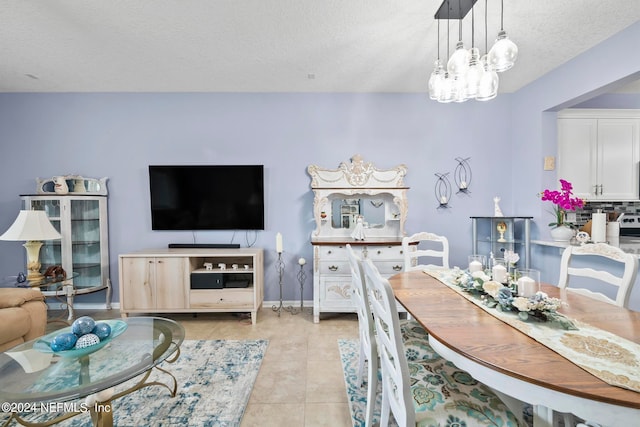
(563, 202)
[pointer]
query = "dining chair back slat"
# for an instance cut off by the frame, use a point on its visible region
(421, 248)
(623, 283)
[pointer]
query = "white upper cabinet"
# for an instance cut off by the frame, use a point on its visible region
(598, 152)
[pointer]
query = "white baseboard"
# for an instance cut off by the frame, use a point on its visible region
(116, 305)
(84, 306)
(288, 303)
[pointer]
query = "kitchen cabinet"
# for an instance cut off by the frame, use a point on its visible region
(598, 152)
(355, 188)
(178, 281)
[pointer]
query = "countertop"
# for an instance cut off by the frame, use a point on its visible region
(629, 244)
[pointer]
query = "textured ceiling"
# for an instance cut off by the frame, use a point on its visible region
(276, 45)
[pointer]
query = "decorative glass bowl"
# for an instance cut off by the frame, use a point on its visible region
(44, 343)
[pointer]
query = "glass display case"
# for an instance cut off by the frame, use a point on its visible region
(497, 234)
(83, 251)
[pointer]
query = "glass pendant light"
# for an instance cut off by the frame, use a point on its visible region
(504, 52)
(474, 74)
(435, 80)
(437, 75)
(446, 95)
(476, 69)
(459, 62)
(488, 84)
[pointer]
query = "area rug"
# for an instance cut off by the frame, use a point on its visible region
(357, 395)
(215, 379)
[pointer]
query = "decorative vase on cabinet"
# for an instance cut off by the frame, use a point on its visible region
(83, 251)
(562, 233)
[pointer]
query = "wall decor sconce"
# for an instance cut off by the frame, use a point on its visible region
(443, 190)
(462, 175)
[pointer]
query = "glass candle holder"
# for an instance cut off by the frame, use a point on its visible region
(499, 271)
(528, 281)
(476, 263)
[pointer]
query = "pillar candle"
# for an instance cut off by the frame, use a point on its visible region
(499, 273)
(279, 243)
(526, 286)
(475, 266)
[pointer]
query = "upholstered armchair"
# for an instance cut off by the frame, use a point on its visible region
(23, 316)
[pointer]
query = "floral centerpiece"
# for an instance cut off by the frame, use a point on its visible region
(563, 202)
(539, 307)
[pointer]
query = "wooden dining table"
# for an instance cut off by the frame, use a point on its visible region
(515, 365)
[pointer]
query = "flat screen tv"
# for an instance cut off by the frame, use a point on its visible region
(218, 197)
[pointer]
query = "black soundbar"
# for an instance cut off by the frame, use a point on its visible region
(204, 245)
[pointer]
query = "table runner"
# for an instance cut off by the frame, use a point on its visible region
(613, 359)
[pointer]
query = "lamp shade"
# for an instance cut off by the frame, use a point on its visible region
(31, 225)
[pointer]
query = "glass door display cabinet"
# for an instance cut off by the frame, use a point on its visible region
(83, 251)
(497, 234)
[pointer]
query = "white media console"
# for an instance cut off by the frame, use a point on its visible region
(175, 280)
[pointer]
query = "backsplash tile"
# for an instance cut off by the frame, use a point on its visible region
(583, 215)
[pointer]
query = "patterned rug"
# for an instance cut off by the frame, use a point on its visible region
(357, 396)
(215, 379)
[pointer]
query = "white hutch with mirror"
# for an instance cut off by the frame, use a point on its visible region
(361, 205)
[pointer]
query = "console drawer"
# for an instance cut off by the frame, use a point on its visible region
(223, 298)
(335, 267)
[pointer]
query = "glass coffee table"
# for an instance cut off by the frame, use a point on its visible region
(37, 383)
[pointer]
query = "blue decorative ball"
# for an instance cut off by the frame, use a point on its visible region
(102, 330)
(63, 342)
(83, 325)
(87, 340)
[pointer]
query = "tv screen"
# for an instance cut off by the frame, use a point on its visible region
(223, 197)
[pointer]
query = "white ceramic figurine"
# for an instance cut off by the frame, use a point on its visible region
(496, 209)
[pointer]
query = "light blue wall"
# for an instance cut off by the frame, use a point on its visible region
(533, 130)
(118, 135)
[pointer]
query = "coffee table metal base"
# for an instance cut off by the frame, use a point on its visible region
(102, 410)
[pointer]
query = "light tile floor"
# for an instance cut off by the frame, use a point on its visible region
(300, 383)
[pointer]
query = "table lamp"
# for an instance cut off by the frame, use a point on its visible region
(32, 226)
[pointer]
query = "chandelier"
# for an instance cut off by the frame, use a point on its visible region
(467, 75)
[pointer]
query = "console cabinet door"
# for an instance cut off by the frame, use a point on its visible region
(154, 283)
(138, 288)
(171, 282)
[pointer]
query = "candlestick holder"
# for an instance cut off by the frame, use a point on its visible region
(443, 190)
(302, 277)
(280, 270)
(462, 174)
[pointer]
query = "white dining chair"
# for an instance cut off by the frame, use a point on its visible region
(569, 272)
(622, 284)
(422, 249)
(417, 384)
(368, 346)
